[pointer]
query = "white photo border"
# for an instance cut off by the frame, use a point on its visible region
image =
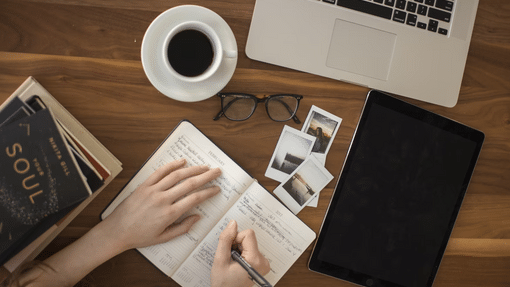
(314, 110)
(321, 157)
(322, 179)
(289, 138)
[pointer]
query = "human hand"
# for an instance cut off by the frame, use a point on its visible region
(228, 273)
(147, 216)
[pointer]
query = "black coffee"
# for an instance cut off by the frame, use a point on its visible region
(190, 53)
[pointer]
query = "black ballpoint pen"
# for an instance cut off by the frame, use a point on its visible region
(255, 276)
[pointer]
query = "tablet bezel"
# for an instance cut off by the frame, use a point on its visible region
(433, 119)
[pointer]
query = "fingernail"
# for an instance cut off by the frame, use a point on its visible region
(217, 170)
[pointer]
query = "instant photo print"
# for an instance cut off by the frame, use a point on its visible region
(292, 149)
(304, 184)
(323, 126)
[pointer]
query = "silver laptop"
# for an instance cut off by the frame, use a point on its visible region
(413, 48)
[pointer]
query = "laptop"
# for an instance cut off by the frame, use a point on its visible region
(414, 48)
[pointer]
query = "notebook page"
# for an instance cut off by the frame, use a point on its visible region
(281, 237)
(188, 142)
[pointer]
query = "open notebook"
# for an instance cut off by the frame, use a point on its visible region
(282, 237)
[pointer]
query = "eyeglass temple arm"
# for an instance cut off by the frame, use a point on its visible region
(218, 116)
(296, 120)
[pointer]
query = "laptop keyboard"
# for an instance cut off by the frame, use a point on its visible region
(432, 15)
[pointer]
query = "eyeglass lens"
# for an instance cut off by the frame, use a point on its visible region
(238, 108)
(281, 108)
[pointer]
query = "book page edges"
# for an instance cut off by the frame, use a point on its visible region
(31, 87)
(75, 162)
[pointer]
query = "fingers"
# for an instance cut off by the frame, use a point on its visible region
(193, 199)
(226, 239)
(192, 183)
(163, 171)
(250, 251)
(179, 175)
(247, 241)
(175, 230)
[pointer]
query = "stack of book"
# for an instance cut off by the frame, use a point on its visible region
(51, 167)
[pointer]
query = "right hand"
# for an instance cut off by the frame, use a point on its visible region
(228, 273)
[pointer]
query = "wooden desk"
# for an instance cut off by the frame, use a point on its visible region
(87, 54)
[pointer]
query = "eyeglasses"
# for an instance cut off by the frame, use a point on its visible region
(239, 106)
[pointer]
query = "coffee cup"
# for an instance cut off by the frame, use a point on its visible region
(193, 51)
(189, 53)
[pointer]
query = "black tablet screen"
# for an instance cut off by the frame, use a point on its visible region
(398, 197)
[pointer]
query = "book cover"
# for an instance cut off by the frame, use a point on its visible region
(35, 232)
(94, 179)
(39, 175)
(89, 148)
(14, 110)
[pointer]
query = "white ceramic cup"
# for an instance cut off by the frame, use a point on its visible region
(156, 64)
(219, 52)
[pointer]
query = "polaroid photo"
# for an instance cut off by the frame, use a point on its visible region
(323, 126)
(291, 150)
(314, 202)
(303, 185)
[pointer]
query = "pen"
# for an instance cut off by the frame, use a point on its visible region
(255, 276)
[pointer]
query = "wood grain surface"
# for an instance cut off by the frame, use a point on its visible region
(87, 54)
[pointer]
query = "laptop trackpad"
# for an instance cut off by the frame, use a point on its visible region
(361, 50)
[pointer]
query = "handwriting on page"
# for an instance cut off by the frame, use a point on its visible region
(183, 147)
(277, 240)
(172, 253)
(269, 224)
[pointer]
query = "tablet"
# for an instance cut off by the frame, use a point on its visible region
(397, 197)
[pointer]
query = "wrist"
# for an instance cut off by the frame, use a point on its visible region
(110, 239)
(75, 261)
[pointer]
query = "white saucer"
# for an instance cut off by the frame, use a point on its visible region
(153, 59)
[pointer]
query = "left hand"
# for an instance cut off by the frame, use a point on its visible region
(147, 217)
